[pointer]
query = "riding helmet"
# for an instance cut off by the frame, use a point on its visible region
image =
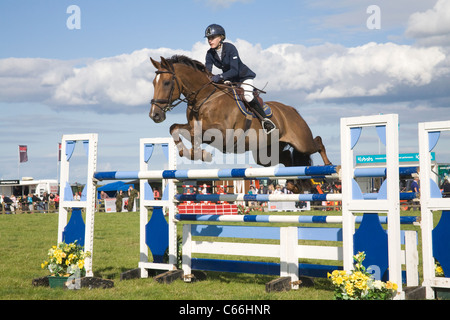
(215, 30)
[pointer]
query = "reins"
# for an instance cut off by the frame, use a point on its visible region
(191, 99)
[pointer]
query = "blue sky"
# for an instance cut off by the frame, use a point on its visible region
(114, 27)
(318, 56)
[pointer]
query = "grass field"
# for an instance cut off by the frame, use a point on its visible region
(25, 239)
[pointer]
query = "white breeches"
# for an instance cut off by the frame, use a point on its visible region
(247, 85)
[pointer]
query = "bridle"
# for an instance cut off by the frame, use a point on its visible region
(169, 103)
(189, 99)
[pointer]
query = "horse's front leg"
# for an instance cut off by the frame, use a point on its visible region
(196, 152)
(177, 131)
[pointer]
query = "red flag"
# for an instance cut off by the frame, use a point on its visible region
(23, 154)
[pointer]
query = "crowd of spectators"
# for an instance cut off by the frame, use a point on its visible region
(270, 189)
(29, 203)
(128, 198)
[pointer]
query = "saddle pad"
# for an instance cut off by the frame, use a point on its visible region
(243, 107)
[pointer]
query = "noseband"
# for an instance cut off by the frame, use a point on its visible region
(169, 103)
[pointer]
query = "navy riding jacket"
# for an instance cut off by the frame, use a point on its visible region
(233, 68)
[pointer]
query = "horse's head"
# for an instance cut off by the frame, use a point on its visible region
(167, 90)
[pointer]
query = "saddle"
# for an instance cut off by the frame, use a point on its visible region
(243, 106)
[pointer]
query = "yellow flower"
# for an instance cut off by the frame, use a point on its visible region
(439, 270)
(391, 285)
(349, 288)
(358, 275)
(80, 264)
(339, 280)
(361, 285)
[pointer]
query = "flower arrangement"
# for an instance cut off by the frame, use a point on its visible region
(243, 209)
(66, 259)
(358, 285)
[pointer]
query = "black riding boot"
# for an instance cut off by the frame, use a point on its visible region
(267, 124)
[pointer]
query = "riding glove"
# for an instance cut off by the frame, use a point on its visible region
(217, 78)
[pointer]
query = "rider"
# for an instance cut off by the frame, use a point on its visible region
(225, 56)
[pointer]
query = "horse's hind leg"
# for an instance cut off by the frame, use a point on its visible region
(322, 151)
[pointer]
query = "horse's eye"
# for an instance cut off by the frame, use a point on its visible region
(166, 83)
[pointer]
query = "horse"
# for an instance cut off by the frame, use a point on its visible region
(212, 107)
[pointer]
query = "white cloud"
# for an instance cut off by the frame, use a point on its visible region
(431, 27)
(333, 71)
(353, 12)
(121, 80)
(328, 71)
(109, 84)
(376, 70)
(30, 79)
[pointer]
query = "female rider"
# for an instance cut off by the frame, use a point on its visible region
(225, 56)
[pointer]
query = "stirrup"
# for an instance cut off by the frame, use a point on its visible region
(271, 124)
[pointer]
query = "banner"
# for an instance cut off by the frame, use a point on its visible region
(381, 158)
(23, 154)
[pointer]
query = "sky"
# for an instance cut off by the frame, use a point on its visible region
(83, 66)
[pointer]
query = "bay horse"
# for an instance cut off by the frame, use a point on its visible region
(213, 107)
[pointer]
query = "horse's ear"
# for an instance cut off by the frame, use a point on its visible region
(166, 64)
(156, 64)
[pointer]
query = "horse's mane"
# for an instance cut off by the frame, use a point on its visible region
(197, 65)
